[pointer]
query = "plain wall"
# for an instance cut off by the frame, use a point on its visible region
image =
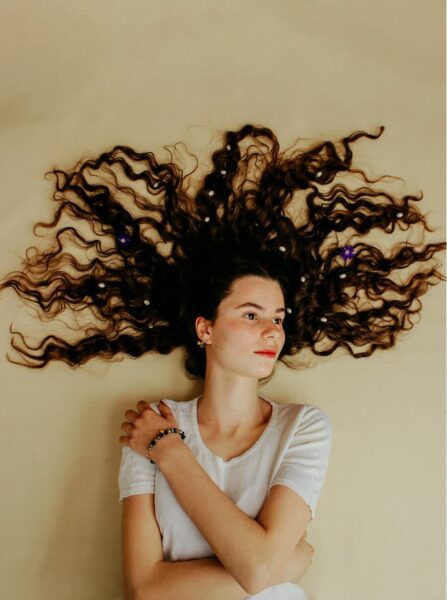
(80, 77)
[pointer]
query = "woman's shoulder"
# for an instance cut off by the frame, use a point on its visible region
(305, 414)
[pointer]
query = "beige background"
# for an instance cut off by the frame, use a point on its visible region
(80, 77)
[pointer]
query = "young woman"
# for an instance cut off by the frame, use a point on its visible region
(271, 251)
(214, 491)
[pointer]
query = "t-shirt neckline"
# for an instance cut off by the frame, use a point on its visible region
(252, 448)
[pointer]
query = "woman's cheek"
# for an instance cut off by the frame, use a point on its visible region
(238, 332)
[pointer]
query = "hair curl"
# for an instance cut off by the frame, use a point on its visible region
(234, 224)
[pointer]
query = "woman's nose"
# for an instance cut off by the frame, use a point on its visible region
(270, 328)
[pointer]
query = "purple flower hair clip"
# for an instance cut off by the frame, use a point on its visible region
(347, 252)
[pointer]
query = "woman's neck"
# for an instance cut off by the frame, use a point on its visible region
(231, 406)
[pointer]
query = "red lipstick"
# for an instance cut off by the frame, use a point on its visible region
(270, 353)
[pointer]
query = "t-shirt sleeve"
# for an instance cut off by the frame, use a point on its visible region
(304, 465)
(137, 473)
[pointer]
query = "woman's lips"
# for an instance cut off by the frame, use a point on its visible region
(265, 353)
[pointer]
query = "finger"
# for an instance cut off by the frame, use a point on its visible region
(127, 427)
(142, 405)
(131, 415)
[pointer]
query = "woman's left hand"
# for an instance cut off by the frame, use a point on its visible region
(143, 426)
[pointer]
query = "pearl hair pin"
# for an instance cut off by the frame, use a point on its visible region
(223, 172)
(206, 219)
(323, 319)
(124, 240)
(146, 302)
(289, 310)
(282, 248)
(228, 147)
(399, 215)
(211, 193)
(302, 279)
(101, 284)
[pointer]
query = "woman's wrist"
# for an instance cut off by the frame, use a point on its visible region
(164, 447)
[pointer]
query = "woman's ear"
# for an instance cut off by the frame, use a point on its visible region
(203, 329)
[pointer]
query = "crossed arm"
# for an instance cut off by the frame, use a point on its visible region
(237, 540)
(250, 554)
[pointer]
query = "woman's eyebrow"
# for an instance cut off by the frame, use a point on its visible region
(259, 307)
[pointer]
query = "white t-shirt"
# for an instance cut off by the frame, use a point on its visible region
(293, 450)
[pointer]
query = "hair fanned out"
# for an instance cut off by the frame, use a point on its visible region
(148, 256)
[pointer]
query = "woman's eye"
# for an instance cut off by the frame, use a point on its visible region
(278, 319)
(250, 314)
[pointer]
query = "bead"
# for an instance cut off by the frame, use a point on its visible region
(156, 184)
(146, 302)
(289, 310)
(303, 279)
(282, 248)
(206, 219)
(323, 319)
(211, 193)
(101, 284)
(342, 275)
(399, 215)
(319, 174)
(223, 172)
(228, 147)
(161, 434)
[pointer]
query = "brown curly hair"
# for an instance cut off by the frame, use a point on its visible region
(260, 212)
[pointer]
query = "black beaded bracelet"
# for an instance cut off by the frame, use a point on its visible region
(162, 433)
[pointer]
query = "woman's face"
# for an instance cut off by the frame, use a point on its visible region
(248, 320)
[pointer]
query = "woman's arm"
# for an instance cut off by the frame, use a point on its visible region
(146, 575)
(236, 539)
(199, 579)
(207, 578)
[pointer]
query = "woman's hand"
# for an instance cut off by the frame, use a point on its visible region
(143, 426)
(301, 559)
(298, 563)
